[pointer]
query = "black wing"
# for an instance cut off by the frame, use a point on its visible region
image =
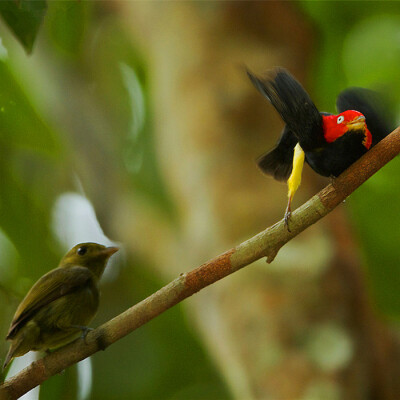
(372, 106)
(294, 106)
(278, 162)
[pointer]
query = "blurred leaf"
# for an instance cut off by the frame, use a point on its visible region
(371, 52)
(119, 72)
(24, 18)
(66, 21)
(352, 42)
(30, 160)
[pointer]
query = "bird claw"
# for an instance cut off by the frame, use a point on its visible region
(85, 331)
(288, 214)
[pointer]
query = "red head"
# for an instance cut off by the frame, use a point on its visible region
(336, 126)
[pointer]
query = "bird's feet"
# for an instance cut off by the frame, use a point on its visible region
(85, 330)
(287, 217)
(288, 214)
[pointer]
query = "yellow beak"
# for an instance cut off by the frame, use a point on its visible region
(357, 124)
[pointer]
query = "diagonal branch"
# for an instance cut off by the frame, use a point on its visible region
(265, 244)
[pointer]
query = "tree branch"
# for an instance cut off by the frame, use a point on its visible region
(265, 244)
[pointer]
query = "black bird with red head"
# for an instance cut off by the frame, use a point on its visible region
(328, 143)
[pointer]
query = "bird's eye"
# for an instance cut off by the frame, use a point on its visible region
(340, 119)
(82, 250)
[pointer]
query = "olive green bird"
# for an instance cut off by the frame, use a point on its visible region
(60, 305)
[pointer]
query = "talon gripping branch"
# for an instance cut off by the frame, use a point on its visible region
(328, 143)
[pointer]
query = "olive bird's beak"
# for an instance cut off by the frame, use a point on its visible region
(109, 251)
(357, 124)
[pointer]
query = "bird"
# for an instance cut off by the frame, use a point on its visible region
(328, 143)
(60, 305)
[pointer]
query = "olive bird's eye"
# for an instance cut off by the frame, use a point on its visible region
(340, 119)
(81, 251)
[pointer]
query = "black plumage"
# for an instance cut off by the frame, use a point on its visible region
(304, 125)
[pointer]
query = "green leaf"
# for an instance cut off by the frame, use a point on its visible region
(24, 18)
(31, 170)
(66, 25)
(371, 51)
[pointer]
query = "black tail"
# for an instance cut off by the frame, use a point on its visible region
(278, 162)
(294, 106)
(273, 163)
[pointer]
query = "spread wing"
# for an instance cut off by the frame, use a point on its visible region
(372, 106)
(49, 287)
(294, 106)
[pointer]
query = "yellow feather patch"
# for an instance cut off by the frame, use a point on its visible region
(295, 177)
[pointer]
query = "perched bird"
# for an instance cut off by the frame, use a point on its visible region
(61, 303)
(329, 143)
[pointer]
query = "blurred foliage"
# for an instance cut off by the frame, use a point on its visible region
(25, 160)
(77, 109)
(24, 18)
(58, 108)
